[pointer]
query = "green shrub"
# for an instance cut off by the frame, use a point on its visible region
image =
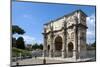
(16, 52)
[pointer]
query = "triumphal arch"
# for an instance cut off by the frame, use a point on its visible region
(65, 37)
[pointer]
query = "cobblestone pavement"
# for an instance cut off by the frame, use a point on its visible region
(39, 60)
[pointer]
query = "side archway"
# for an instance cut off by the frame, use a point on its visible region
(70, 49)
(48, 47)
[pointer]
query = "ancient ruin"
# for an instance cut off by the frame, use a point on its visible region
(65, 37)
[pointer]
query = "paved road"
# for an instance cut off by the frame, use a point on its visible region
(34, 61)
(37, 61)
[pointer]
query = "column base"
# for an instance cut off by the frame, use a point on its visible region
(44, 53)
(51, 53)
(63, 54)
(75, 55)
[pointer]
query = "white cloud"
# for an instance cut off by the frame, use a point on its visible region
(28, 39)
(27, 16)
(91, 28)
(90, 33)
(91, 19)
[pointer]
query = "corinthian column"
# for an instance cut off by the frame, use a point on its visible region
(64, 41)
(52, 44)
(75, 49)
(45, 43)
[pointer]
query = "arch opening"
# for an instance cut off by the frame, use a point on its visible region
(48, 47)
(58, 46)
(58, 43)
(70, 49)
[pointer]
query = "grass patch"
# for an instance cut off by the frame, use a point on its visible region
(16, 52)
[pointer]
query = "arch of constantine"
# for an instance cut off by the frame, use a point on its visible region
(65, 37)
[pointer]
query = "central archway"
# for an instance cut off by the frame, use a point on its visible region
(58, 46)
(48, 47)
(70, 49)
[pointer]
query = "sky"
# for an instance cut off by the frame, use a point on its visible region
(31, 16)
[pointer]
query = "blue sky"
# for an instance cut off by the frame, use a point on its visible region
(31, 17)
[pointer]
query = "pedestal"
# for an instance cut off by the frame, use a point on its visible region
(51, 53)
(74, 55)
(44, 53)
(63, 53)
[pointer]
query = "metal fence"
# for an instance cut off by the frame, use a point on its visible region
(83, 54)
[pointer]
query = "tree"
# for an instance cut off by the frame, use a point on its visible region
(17, 29)
(20, 43)
(94, 45)
(13, 42)
(35, 46)
(41, 46)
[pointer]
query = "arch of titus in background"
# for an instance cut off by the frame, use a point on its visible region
(66, 36)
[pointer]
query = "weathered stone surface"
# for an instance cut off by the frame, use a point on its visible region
(67, 35)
